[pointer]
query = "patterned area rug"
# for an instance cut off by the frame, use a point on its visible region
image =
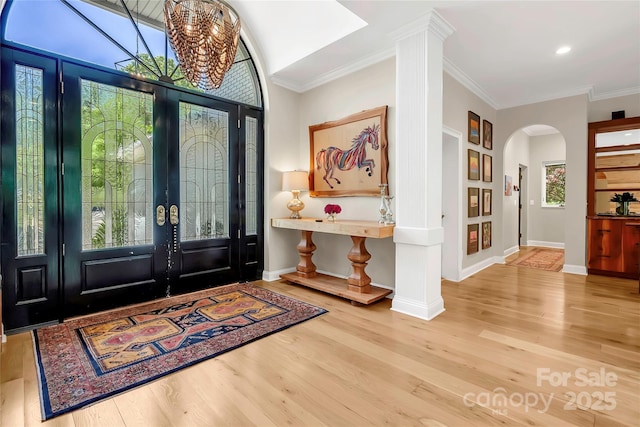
(542, 258)
(88, 359)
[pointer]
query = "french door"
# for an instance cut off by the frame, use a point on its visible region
(158, 195)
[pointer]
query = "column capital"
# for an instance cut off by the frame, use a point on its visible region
(431, 22)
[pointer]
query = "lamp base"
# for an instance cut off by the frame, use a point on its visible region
(295, 206)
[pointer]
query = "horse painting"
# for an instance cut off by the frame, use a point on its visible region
(332, 157)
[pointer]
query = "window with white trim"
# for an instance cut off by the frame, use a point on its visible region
(553, 184)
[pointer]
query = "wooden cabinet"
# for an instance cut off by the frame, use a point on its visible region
(605, 245)
(613, 246)
(631, 248)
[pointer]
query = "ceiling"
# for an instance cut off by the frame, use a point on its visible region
(504, 51)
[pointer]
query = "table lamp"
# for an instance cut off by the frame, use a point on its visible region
(295, 181)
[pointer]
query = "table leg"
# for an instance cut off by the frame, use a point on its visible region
(306, 267)
(359, 281)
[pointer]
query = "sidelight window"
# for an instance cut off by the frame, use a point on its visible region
(29, 160)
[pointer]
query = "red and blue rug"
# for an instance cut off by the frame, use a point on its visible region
(84, 360)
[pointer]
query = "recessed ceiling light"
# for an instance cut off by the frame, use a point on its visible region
(628, 134)
(563, 50)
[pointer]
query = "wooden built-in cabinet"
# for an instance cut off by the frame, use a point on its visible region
(613, 246)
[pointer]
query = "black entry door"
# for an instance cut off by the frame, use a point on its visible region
(116, 190)
(150, 205)
(29, 231)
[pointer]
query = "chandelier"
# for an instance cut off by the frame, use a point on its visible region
(204, 36)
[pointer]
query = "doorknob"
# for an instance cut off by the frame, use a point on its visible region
(160, 215)
(173, 215)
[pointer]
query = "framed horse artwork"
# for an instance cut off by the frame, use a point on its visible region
(349, 157)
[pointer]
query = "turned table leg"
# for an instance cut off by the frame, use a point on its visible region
(306, 267)
(359, 281)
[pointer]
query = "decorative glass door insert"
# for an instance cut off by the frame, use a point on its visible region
(117, 167)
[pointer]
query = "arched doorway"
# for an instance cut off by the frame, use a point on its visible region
(533, 197)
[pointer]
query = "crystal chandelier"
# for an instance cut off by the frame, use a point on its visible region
(204, 36)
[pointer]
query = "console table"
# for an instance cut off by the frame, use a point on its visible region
(357, 287)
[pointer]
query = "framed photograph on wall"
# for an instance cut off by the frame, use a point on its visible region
(487, 135)
(472, 238)
(473, 202)
(486, 235)
(473, 165)
(473, 134)
(487, 168)
(348, 157)
(508, 185)
(486, 201)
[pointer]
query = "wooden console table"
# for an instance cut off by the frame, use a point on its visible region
(357, 287)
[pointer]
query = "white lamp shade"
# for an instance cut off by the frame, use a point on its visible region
(295, 180)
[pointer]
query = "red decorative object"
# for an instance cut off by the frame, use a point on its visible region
(332, 209)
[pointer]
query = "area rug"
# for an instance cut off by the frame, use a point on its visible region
(88, 359)
(542, 258)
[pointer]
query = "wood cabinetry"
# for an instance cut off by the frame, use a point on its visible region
(614, 246)
(613, 168)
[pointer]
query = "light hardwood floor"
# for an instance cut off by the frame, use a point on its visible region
(506, 332)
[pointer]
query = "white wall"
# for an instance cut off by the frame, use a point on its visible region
(288, 116)
(370, 88)
(545, 224)
(457, 101)
(601, 110)
(516, 153)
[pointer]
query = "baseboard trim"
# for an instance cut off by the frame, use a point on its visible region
(272, 276)
(558, 245)
(575, 269)
(475, 268)
(416, 309)
(511, 250)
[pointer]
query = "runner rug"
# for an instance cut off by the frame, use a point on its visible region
(84, 360)
(543, 258)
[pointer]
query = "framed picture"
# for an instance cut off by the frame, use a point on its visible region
(473, 202)
(474, 128)
(486, 235)
(473, 165)
(487, 168)
(472, 238)
(508, 185)
(486, 201)
(360, 142)
(487, 135)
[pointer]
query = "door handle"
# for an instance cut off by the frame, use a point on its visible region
(173, 215)
(160, 215)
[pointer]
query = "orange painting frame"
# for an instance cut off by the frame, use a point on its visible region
(349, 157)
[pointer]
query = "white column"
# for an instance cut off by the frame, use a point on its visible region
(418, 233)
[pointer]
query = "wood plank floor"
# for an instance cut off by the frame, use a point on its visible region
(496, 356)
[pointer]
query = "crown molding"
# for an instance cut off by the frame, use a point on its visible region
(467, 82)
(336, 73)
(431, 21)
(586, 90)
(614, 94)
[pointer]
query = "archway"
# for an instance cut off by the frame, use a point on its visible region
(533, 197)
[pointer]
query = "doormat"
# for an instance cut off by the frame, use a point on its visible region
(85, 360)
(542, 258)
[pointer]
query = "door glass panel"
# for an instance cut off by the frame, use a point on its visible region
(204, 171)
(117, 167)
(251, 162)
(29, 161)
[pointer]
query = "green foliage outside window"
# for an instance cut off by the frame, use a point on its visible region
(555, 184)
